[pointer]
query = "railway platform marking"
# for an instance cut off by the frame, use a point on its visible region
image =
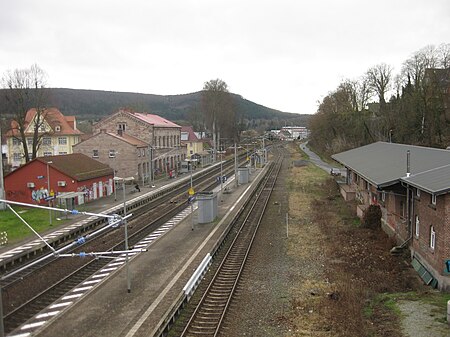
(59, 305)
(83, 288)
(70, 297)
(33, 325)
(47, 314)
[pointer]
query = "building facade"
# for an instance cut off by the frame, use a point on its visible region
(411, 184)
(155, 143)
(46, 179)
(57, 134)
(125, 154)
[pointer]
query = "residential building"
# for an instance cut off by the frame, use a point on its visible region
(161, 137)
(411, 184)
(193, 144)
(57, 134)
(72, 179)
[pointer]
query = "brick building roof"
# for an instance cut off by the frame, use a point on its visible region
(77, 166)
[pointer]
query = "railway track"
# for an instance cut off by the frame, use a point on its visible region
(207, 317)
(27, 294)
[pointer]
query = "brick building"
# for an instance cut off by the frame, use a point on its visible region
(136, 143)
(77, 175)
(411, 184)
(125, 154)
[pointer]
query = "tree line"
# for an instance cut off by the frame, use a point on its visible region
(411, 107)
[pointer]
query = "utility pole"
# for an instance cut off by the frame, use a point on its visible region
(2, 184)
(235, 165)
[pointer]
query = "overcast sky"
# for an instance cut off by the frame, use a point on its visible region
(284, 54)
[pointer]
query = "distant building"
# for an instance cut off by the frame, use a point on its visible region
(57, 134)
(295, 132)
(193, 144)
(73, 177)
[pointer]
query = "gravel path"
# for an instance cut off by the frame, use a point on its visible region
(420, 320)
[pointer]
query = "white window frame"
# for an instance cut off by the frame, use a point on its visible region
(17, 156)
(417, 193)
(95, 153)
(417, 229)
(383, 196)
(112, 153)
(48, 153)
(16, 141)
(62, 140)
(46, 141)
(432, 238)
(62, 153)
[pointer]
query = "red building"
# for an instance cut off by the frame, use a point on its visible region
(73, 177)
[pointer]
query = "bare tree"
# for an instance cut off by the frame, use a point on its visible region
(218, 110)
(379, 80)
(25, 90)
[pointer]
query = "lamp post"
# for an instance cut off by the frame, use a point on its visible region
(48, 189)
(126, 228)
(191, 194)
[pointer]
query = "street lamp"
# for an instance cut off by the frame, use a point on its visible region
(123, 180)
(48, 190)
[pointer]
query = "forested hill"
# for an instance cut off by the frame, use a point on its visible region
(95, 104)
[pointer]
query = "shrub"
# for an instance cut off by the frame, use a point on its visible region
(372, 217)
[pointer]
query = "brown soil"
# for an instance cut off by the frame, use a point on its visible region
(325, 274)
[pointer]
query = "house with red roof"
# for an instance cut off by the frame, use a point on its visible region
(57, 134)
(143, 144)
(73, 176)
(194, 146)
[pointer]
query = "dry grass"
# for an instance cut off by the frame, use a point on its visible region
(339, 267)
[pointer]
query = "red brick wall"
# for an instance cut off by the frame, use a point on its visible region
(438, 217)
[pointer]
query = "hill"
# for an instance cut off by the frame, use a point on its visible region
(92, 105)
(95, 104)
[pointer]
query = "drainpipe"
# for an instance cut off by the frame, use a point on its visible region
(409, 209)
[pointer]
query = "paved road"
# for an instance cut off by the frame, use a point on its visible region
(315, 159)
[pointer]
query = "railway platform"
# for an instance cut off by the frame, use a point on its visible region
(102, 306)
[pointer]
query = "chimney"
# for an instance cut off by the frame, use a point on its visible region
(408, 163)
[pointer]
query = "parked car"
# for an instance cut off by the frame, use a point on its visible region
(335, 171)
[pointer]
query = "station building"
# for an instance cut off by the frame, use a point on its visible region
(411, 184)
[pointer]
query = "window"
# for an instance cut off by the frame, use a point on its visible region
(433, 199)
(121, 126)
(383, 196)
(46, 141)
(417, 226)
(17, 156)
(46, 154)
(95, 153)
(432, 238)
(402, 208)
(112, 153)
(57, 128)
(417, 193)
(16, 141)
(29, 141)
(62, 140)
(62, 153)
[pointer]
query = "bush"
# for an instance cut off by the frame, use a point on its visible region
(372, 217)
